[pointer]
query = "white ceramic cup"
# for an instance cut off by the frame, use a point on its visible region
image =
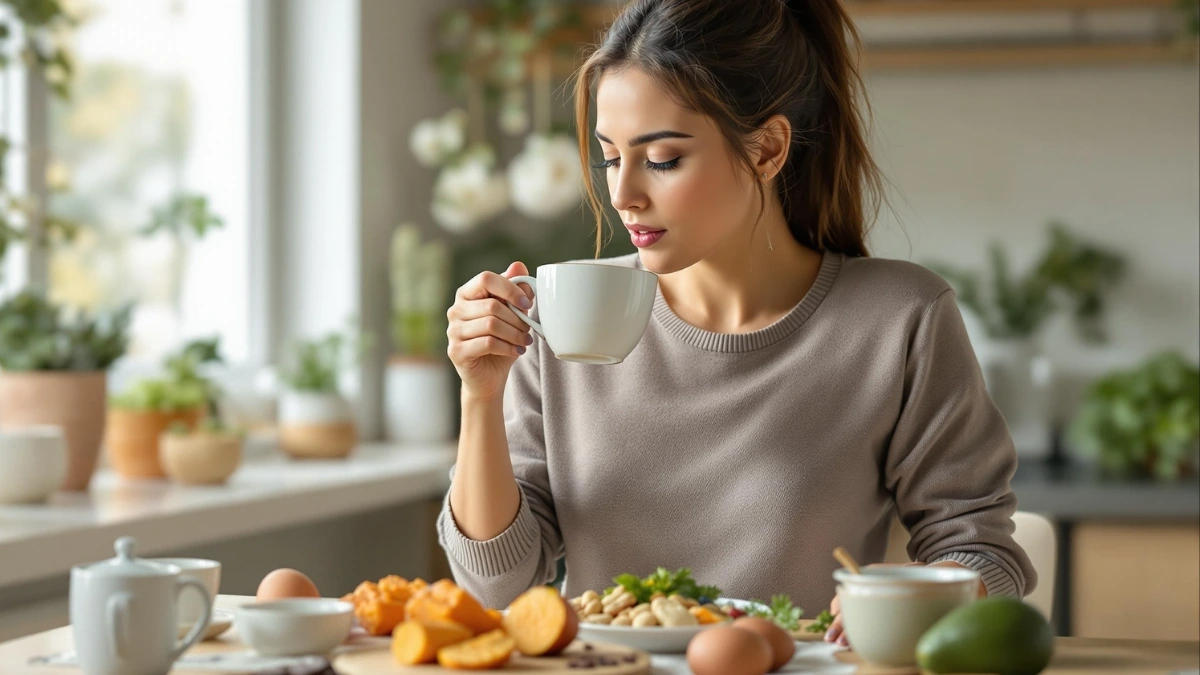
(207, 572)
(886, 609)
(123, 614)
(33, 463)
(590, 313)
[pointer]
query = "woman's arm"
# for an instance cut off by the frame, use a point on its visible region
(498, 524)
(950, 459)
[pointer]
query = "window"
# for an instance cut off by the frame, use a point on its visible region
(160, 110)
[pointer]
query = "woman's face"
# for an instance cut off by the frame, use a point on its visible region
(672, 177)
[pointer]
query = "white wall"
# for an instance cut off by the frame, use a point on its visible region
(1115, 152)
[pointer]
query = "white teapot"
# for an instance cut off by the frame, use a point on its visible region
(124, 614)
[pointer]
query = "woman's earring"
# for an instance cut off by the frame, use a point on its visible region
(764, 176)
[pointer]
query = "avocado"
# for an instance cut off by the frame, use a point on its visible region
(993, 635)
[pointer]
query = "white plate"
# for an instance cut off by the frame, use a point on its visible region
(220, 622)
(654, 639)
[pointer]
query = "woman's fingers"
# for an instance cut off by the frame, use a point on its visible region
(490, 284)
(834, 634)
(467, 310)
(491, 326)
(483, 346)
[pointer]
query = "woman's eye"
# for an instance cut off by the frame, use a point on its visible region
(662, 166)
(607, 163)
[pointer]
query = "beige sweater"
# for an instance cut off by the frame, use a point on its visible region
(749, 457)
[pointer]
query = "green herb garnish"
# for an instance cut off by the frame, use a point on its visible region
(666, 582)
(780, 610)
(822, 623)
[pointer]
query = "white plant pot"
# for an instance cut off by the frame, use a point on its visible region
(33, 462)
(1019, 379)
(418, 401)
(309, 407)
(316, 425)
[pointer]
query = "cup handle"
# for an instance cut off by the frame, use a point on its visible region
(200, 626)
(118, 624)
(532, 281)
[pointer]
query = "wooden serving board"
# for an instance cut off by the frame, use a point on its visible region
(381, 662)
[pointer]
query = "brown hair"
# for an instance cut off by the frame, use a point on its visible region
(741, 63)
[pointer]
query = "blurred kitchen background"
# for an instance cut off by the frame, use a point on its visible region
(255, 213)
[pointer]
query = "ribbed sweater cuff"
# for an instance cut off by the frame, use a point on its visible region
(995, 578)
(496, 556)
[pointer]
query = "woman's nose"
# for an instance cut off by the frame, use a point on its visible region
(625, 190)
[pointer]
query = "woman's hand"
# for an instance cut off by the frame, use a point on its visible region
(835, 632)
(485, 335)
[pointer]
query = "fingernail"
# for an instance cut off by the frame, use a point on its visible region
(525, 302)
(830, 636)
(843, 642)
(520, 350)
(528, 339)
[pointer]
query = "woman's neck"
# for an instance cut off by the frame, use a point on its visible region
(746, 285)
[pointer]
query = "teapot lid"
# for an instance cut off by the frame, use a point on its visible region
(127, 565)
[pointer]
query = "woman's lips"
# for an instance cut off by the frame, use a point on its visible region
(643, 236)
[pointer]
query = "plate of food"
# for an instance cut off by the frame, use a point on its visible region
(661, 613)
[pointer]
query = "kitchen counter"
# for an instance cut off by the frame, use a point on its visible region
(37, 541)
(1075, 492)
(322, 517)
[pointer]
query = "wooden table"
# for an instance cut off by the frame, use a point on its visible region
(1073, 656)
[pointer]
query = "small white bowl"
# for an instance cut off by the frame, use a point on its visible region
(294, 627)
(33, 462)
(886, 609)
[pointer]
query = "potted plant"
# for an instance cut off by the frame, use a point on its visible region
(1012, 310)
(206, 455)
(53, 372)
(418, 385)
(1144, 421)
(139, 415)
(315, 419)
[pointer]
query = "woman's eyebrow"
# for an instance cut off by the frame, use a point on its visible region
(647, 138)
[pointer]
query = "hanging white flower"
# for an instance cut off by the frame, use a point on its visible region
(469, 193)
(546, 179)
(437, 139)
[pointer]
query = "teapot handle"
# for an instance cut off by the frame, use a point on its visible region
(200, 626)
(118, 623)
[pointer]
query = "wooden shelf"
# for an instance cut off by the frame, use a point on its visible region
(899, 8)
(1023, 56)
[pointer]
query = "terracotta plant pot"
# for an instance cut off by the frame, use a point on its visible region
(74, 401)
(133, 435)
(316, 425)
(200, 458)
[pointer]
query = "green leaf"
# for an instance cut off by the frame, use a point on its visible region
(780, 610)
(822, 623)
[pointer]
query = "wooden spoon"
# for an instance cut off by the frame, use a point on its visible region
(846, 560)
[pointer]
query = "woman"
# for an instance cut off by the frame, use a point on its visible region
(789, 395)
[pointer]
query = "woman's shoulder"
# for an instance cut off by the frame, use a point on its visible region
(895, 283)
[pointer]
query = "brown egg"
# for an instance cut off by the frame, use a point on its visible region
(782, 644)
(726, 650)
(286, 583)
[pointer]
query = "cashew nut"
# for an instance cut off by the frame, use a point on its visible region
(624, 620)
(644, 620)
(671, 613)
(593, 607)
(618, 602)
(588, 596)
(598, 618)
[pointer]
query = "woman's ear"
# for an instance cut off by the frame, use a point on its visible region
(774, 141)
